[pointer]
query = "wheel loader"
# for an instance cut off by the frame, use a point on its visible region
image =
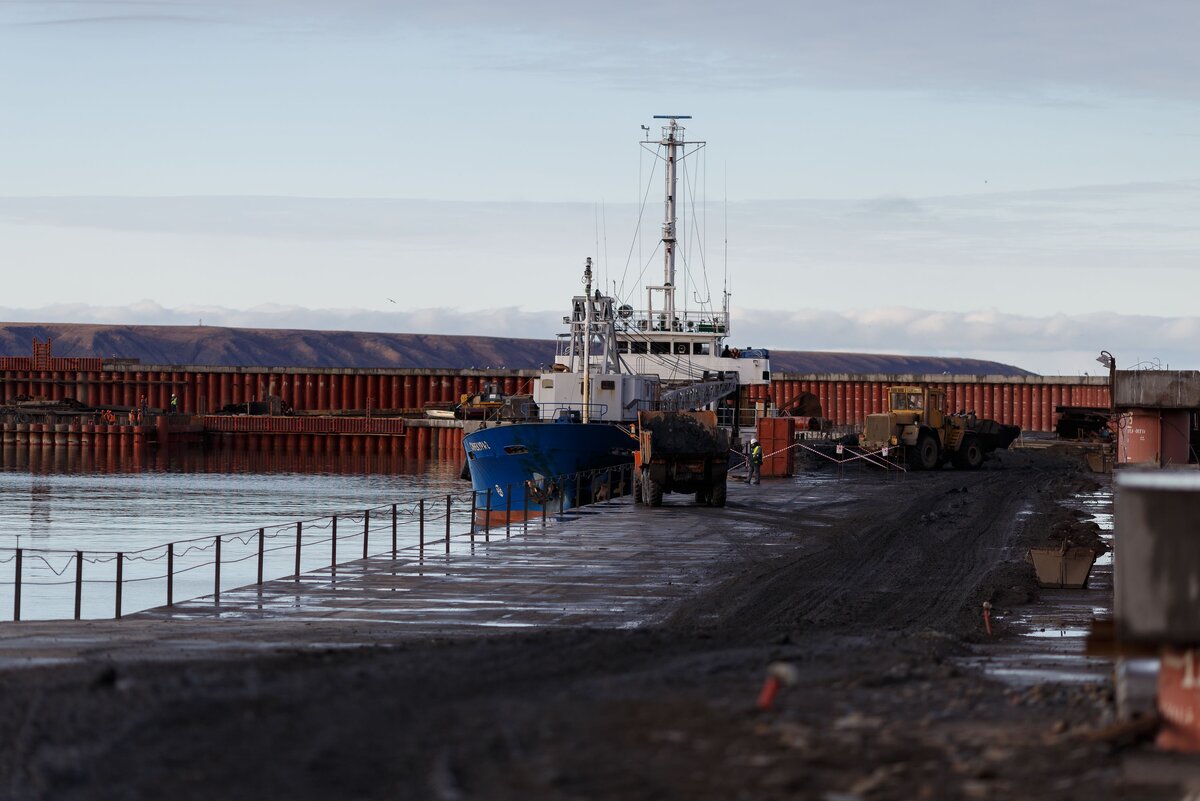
(917, 422)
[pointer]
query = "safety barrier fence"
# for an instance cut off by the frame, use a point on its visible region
(50, 584)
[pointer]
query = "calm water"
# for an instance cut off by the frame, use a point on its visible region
(54, 500)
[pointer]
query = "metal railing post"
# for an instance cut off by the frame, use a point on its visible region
(508, 511)
(366, 530)
(171, 574)
(487, 525)
(299, 534)
(447, 524)
(393, 531)
(421, 525)
(78, 583)
(17, 587)
(261, 551)
(333, 547)
(217, 571)
(474, 506)
(120, 580)
(525, 510)
(578, 492)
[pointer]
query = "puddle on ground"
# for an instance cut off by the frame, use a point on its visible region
(1055, 653)
(1064, 632)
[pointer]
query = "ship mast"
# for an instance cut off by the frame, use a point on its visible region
(673, 142)
(588, 319)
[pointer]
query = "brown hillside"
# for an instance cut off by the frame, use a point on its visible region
(271, 347)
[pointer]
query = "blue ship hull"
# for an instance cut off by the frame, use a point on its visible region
(518, 469)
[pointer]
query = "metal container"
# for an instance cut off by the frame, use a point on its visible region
(1157, 556)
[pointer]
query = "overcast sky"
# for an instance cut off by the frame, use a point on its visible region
(1011, 180)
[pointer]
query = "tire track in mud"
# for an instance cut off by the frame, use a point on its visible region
(897, 558)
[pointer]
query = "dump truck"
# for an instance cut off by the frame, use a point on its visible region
(680, 452)
(917, 422)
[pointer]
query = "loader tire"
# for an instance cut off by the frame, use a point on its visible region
(701, 498)
(637, 487)
(652, 491)
(926, 456)
(969, 455)
(716, 495)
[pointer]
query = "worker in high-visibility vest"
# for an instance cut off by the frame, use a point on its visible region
(756, 460)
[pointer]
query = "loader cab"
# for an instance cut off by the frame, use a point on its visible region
(907, 399)
(918, 405)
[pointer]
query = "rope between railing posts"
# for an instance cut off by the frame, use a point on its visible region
(129, 558)
(43, 560)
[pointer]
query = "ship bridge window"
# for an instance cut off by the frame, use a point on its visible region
(622, 346)
(700, 348)
(547, 383)
(606, 384)
(660, 347)
(637, 347)
(766, 375)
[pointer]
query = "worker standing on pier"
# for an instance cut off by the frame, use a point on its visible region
(174, 403)
(756, 460)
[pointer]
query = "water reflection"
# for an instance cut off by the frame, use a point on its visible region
(135, 459)
(128, 498)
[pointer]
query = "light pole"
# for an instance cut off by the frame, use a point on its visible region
(1108, 360)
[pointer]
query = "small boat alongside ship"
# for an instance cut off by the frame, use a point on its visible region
(612, 362)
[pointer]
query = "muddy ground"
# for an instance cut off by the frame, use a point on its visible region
(872, 611)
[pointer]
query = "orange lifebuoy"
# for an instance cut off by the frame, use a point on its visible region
(108, 416)
(735, 353)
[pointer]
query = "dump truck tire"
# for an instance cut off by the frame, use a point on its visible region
(926, 456)
(652, 491)
(969, 455)
(701, 498)
(717, 496)
(637, 487)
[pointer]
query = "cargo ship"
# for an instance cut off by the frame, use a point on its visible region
(572, 441)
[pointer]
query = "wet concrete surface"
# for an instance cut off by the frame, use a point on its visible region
(611, 565)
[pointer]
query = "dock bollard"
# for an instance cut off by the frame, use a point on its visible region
(779, 674)
(987, 617)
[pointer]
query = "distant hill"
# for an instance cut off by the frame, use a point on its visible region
(274, 347)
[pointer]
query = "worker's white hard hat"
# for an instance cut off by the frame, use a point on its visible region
(754, 440)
